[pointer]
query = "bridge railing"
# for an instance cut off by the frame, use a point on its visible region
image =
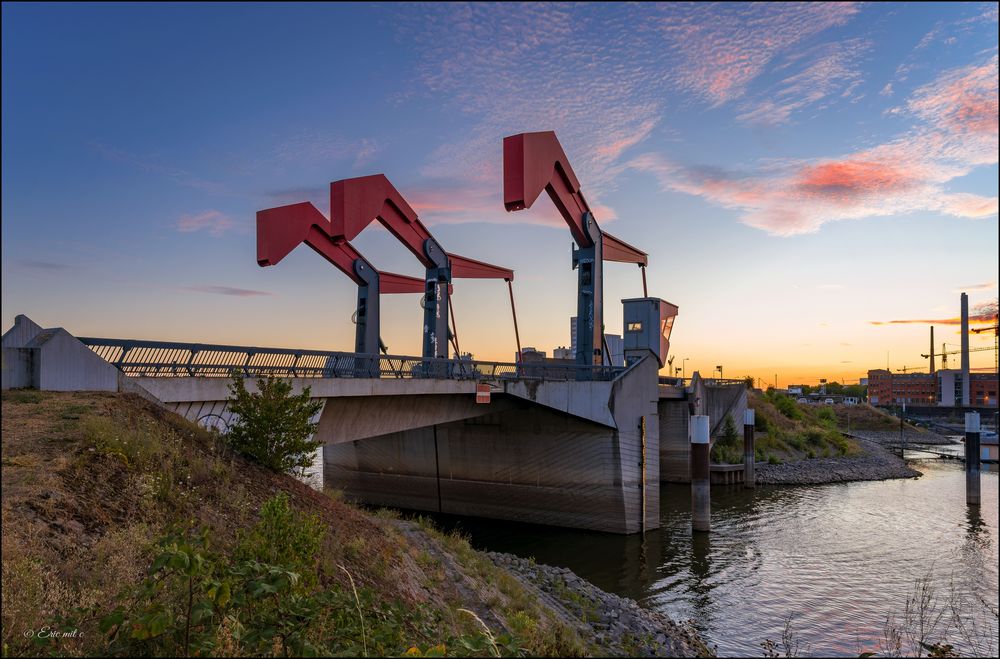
(139, 358)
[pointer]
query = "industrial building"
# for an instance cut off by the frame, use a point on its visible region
(943, 388)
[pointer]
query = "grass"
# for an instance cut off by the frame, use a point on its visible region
(91, 480)
(788, 431)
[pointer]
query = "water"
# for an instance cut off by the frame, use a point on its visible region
(838, 558)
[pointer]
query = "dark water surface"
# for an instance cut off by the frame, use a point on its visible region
(838, 558)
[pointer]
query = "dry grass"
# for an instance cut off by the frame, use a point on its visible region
(91, 480)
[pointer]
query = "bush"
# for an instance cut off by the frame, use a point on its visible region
(787, 406)
(272, 426)
(284, 537)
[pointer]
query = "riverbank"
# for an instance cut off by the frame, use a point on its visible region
(871, 462)
(99, 488)
(617, 624)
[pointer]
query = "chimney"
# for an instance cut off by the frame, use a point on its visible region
(932, 350)
(965, 350)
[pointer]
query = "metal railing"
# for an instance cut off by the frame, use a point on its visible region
(138, 358)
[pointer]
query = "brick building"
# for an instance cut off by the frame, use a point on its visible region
(941, 388)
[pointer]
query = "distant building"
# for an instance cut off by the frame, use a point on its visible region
(562, 352)
(942, 388)
(888, 388)
(982, 388)
(529, 352)
(616, 345)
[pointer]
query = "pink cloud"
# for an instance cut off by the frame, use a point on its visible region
(831, 72)
(724, 48)
(214, 222)
(907, 174)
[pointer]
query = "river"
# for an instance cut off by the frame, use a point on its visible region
(837, 558)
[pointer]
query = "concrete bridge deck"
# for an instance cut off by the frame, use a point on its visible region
(580, 453)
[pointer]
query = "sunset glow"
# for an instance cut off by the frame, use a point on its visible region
(815, 184)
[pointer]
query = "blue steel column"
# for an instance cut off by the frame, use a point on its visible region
(589, 261)
(366, 332)
(438, 280)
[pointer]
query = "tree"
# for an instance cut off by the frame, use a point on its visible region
(272, 426)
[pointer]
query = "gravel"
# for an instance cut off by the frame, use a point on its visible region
(617, 626)
(873, 464)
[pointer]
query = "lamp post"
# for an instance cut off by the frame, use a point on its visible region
(719, 368)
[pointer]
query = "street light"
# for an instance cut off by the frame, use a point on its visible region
(719, 368)
(684, 368)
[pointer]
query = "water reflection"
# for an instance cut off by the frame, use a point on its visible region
(838, 558)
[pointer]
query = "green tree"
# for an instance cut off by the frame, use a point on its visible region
(273, 426)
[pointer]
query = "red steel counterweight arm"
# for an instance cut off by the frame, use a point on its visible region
(533, 162)
(282, 229)
(357, 202)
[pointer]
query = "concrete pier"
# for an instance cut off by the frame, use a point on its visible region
(701, 487)
(749, 479)
(972, 478)
(579, 454)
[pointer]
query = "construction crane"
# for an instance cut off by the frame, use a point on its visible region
(996, 343)
(944, 353)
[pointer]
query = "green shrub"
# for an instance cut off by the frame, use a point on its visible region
(787, 407)
(272, 426)
(284, 537)
(827, 414)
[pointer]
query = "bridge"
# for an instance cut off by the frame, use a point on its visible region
(582, 443)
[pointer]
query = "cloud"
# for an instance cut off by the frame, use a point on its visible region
(723, 48)
(953, 136)
(153, 165)
(980, 313)
(601, 79)
(214, 222)
(832, 72)
(226, 290)
(40, 265)
(985, 286)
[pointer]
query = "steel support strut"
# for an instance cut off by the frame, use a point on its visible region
(590, 296)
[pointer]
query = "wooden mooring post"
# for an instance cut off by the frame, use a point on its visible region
(972, 458)
(701, 486)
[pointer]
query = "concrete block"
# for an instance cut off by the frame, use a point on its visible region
(17, 366)
(62, 363)
(23, 331)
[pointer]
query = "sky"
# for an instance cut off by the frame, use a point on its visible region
(815, 184)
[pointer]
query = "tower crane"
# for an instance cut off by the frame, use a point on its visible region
(944, 353)
(996, 343)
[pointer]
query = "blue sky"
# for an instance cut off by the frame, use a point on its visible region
(796, 172)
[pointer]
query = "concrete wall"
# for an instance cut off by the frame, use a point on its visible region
(17, 368)
(52, 360)
(62, 363)
(675, 442)
(717, 401)
(185, 389)
(23, 331)
(522, 461)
